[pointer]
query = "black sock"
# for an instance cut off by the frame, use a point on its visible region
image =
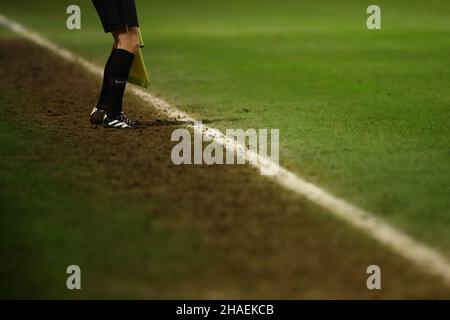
(119, 69)
(103, 98)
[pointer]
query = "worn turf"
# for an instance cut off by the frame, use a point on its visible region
(364, 114)
(141, 227)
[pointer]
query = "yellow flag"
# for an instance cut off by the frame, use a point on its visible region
(138, 72)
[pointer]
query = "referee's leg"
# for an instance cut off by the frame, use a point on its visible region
(128, 44)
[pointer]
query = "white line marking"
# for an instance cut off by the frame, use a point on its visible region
(426, 258)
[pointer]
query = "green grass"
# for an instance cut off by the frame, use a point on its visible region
(365, 114)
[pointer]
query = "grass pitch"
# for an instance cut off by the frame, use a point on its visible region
(365, 114)
(140, 227)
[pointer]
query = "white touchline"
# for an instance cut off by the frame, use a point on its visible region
(423, 256)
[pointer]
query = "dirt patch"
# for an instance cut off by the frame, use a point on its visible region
(261, 241)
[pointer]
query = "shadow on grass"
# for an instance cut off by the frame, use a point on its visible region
(168, 123)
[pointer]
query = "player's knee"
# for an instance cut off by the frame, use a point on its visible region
(134, 38)
(129, 41)
(135, 43)
(130, 44)
(134, 47)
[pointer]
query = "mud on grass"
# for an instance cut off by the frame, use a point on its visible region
(141, 227)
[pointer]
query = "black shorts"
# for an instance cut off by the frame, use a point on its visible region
(116, 14)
